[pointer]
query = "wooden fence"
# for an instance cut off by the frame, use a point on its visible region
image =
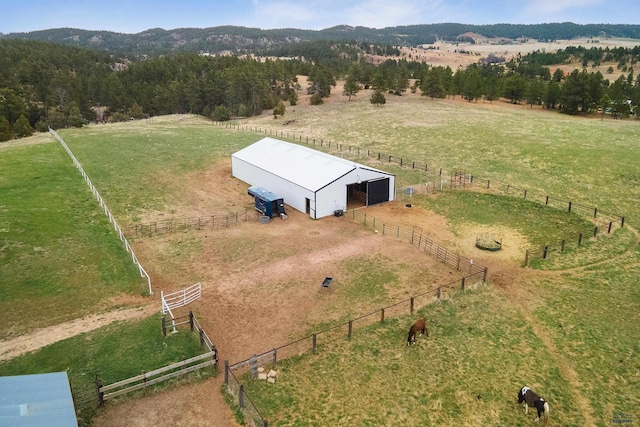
(438, 179)
(415, 236)
(310, 342)
(147, 379)
(183, 224)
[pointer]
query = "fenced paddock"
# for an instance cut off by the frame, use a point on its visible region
(415, 236)
(436, 178)
(147, 379)
(103, 205)
(182, 368)
(150, 229)
(345, 329)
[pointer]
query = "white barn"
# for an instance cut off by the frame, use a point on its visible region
(309, 180)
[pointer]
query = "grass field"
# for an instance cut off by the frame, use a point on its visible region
(60, 257)
(568, 327)
(586, 314)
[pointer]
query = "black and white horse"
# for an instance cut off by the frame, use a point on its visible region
(530, 399)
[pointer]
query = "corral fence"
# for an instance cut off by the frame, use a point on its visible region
(84, 391)
(89, 392)
(544, 251)
(436, 178)
(178, 299)
(416, 237)
(182, 368)
(311, 342)
(150, 229)
(103, 205)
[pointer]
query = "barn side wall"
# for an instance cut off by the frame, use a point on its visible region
(293, 195)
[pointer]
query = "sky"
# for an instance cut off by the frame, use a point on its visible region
(134, 16)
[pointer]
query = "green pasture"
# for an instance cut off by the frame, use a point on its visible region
(593, 319)
(137, 165)
(113, 353)
(589, 307)
(59, 257)
(56, 246)
(467, 372)
(581, 159)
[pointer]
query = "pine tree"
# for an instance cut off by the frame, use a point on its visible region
(22, 127)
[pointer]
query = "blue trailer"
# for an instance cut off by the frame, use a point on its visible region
(267, 203)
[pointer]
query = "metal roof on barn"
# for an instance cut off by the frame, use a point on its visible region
(309, 168)
(37, 400)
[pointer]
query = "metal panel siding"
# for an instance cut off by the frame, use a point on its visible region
(306, 174)
(37, 400)
(293, 195)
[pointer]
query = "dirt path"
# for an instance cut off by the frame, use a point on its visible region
(52, 334)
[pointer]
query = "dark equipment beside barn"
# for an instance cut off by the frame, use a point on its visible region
(266, 202)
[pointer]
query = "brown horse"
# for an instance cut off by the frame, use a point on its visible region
(527, 397)
(418, 325)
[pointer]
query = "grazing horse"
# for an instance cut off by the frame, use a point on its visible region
(529, 398)
(418, 325)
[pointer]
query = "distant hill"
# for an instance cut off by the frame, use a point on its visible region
(157, 41)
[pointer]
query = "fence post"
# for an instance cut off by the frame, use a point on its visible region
(526, 258)
(579, 239)
(462, 285)
(569, 206)
(191, 320)
(484, 276)
(488, 183)
(164, 327)
(622, 222)
(525, 194)
(100, 393)
(544, 253)
(438, 292)
(253, 366)
(314, 343)
(350, 329)
(226, 372)
(411, 305)
(241, 397)
(546, 202)
(562, 246)
(201, 337)
(595, 231)
(275, 356)
(609, 231)
(382, 315)
(595, 212)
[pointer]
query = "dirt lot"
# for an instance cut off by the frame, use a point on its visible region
(256, 298)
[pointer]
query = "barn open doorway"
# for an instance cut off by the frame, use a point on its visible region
(367, 193)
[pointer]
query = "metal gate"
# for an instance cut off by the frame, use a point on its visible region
(377, 191)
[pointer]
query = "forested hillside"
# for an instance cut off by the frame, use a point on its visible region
(44, 84)
(158, 41)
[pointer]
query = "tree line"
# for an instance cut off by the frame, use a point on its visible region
(155, 42)
(48, 85)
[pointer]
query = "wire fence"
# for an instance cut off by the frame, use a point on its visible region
(435, 178)
(150, 229)
(417, 238)
(311, 342)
